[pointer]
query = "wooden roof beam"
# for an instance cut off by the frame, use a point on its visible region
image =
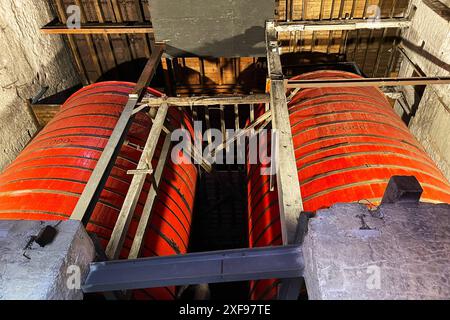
(99, 28)
(288, 185)
(94, 186)
(335, 25)
(207, 100)
(366, 82)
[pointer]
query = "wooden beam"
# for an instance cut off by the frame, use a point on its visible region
(196, 154)
(266, 117)
(402, 50)
(149, 70)
(213, 89)
(333, 25)
(236, 117)
(100, 28)
(393, 53)
(289, 9)
(120, 230)
(149, 46)
(146, 212)
(289, 195)
(366, 82)
(207, 100)
(82, 72)
(110, 56)
(191, 151)
(203, 101)
(88, 199)
(44, 113)
(394, 95)
(167, 67)
(90, 44)
(116, 12)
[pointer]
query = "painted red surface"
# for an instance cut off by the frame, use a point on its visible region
(348, 143)
(47, 178)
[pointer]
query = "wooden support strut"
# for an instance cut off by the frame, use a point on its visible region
(126, 213)
(334, 25)
(242, 132)
(88, 199)
(82, 72)
(99, 28)
(289, 195)
(366, 82)
(146, 212)
(402, 50)
(208, 100)
(90, 44)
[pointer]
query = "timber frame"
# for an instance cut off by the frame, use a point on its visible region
(218, 266)
(114, 32)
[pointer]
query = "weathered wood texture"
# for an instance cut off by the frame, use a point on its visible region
(105, 57)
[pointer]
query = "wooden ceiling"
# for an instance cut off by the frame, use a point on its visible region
(121, 56)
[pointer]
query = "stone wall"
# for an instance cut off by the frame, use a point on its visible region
(395, 252)
(428, 45)
(52, 272)
(29, 60)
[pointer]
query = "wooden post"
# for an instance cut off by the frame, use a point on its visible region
(146, 212)
(88, 199)
(126, 213)
(289, 195)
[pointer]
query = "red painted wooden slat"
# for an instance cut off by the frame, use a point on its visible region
(47, 178)
(348, 143)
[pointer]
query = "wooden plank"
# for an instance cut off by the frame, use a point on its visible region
(112, 61)
(190, 88)
(366, 51)
(149, 70)
(275, 70)
(228, 141)
(170, 87)
(393, 52)
(73, 46)
(366, 82)
(288, 185)
(100, 28)
(34, 116)
(289, 9)
(44, 113)
(208, 126)
(196, 154)
(148, 46)
(91, 192)
(378, 58)
(222, 124)
(120, 230)
(146, 212)
(90, 44)
(285, 167)
(208, 100)
(419, 71)
(236, 117)
(333, 25)
(118, 18)
(116, 10)
(289, 195)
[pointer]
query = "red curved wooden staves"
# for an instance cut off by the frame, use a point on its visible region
(48, 177)
(348, 143)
